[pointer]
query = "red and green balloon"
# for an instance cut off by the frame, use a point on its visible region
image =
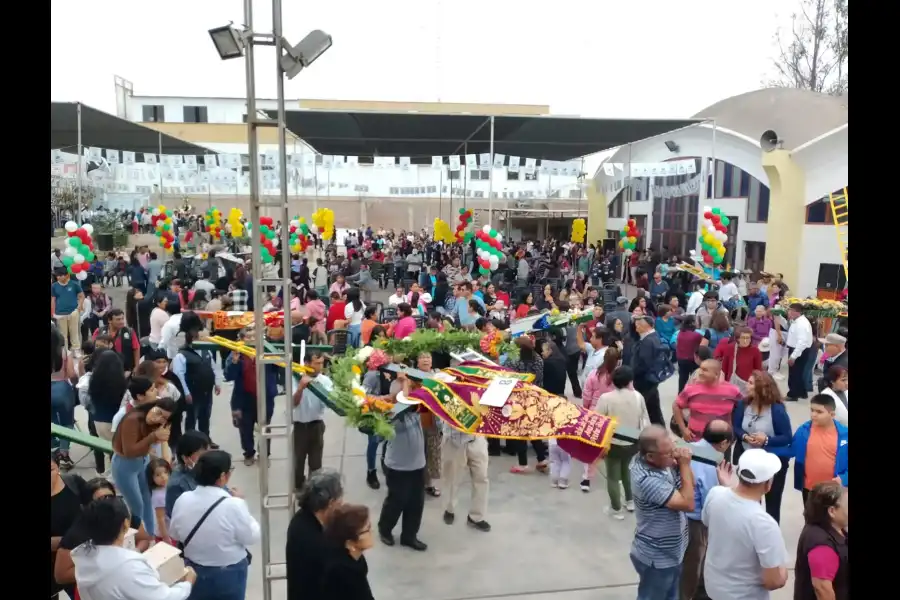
(630, 235)
(267, 237)
(489, 249)
(713, 235)
(465, 219)
(79, 252)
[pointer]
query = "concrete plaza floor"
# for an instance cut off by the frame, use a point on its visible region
(545, 543)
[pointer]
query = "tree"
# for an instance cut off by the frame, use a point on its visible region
(813, 55)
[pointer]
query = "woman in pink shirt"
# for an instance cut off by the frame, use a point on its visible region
(316, 310)
(597, 383)
(406, 325)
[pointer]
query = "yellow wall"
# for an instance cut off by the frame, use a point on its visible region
(427, 107)
(597, 213)
(787, 214)
(216, 133)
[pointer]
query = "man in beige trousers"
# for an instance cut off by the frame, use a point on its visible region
(460, 450)
(66, 305)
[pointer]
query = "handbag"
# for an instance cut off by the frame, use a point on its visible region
(190, 536)
(741, 384)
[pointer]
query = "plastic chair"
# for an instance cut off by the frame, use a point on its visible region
(338, 339)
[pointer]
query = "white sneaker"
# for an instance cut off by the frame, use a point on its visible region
(554, 483)
(615, 514)
(629, 505)
(778, 377)
(563, 484)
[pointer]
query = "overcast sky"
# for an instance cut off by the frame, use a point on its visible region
(599, 58)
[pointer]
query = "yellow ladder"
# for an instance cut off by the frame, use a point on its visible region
(840, 211)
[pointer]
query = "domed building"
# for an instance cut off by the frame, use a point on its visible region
(776, 194)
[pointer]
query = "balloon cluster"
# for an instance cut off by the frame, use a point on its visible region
(214, 223)
(266, 235)
(630, 235)
(299, 230)
(489, 249)
(161, 217)
(323, 219)
(234, 219)
(579, 231)
(79, 250)
(465, 219)
(442, 232)
(713, 235)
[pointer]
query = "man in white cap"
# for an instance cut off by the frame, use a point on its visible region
(746, 556)
(835, 351)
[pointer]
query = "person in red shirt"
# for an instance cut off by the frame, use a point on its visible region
(739, 357)
(708, 399)
(686, 344)
(335, 311)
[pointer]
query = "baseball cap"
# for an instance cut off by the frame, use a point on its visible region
(758, 466)
(833, 338)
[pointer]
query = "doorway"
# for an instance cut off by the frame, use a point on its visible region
(754, 257)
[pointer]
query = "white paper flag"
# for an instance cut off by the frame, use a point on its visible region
(454, 163)
(309, 160)
(545, 167)
(530, 164)
(190, 160)
(471, 161)
(150, 159)
(608, 169)
(295, 160)
(404, 163)
(95, 154)
(437, 162)
(338, 162)
(513, 164)
(209, 160)
(327, 161)
(352, 162)
(484, 160)
(499, 161)
(269, 159)
(128, 158)
(56, 157)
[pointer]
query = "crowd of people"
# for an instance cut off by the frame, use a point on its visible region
(701, 531)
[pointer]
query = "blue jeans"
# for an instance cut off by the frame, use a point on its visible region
(220, 583)
(372, 451)
(353, 338)
(655, 583)
(808, 370)
(130, 475)
(62, 410)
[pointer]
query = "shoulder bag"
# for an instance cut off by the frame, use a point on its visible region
(742, 385)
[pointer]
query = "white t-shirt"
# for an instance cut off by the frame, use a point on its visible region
(743, 540)
(354, 318)
(395, 300)
(728, 292)
(594, 360)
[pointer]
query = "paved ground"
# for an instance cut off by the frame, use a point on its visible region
(545, 543)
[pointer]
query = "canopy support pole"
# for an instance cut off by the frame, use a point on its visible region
(78, 165)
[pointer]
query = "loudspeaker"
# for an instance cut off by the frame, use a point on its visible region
(831, 277)
(769, 140)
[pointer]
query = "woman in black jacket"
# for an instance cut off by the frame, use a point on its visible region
(349, 530)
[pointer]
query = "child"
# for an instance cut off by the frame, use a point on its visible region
(158, 471)
(821, 448)
(560, 465)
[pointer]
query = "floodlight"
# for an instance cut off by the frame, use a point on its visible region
(228, 42)
(305, 53)
(672, 146)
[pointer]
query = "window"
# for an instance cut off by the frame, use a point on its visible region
(531, 176)
(754, 257)
(819, 213)
(616, 209)
(480, 175)
(453, 175)
(154, 113)
(512, 175)
(195, 114)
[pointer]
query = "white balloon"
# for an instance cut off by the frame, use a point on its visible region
(155, 212)
(89, 228)
(692, 252)
(78, 259)
(314, 229)
(70, 251)
(708, 223)
(486, 229)
(295, 223)
(81, 276)
(707, 209)
(71, 226)
(499, 237)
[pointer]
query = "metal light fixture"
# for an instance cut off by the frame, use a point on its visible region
(228, 42)
(297, 58)
(672, 146)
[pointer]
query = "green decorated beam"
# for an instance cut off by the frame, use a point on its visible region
(622, 433)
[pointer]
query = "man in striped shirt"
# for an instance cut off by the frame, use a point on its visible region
(663, 486)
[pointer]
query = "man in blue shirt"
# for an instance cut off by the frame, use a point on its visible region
(66, 304)
(467, 317)
(719, 435)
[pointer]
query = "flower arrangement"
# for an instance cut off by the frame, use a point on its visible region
(491, 343)
(432, 340)
(813, 307)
